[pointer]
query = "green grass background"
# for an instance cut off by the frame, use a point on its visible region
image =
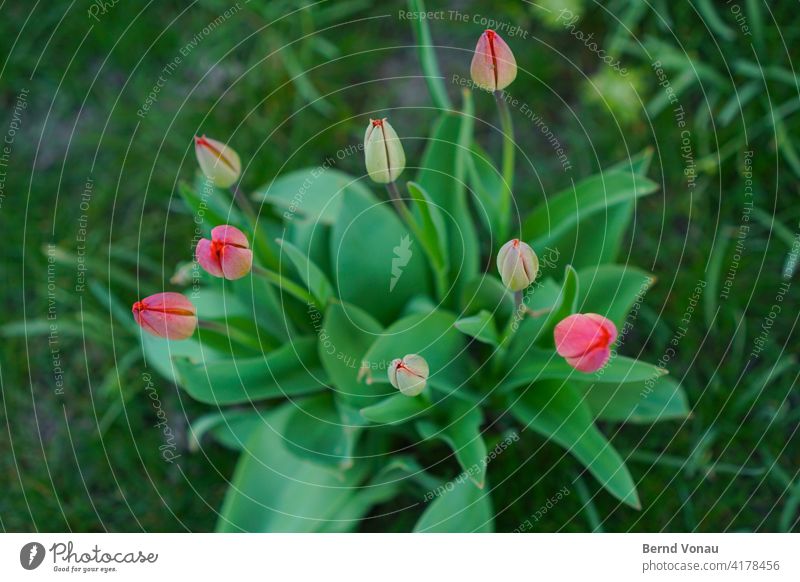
(287, 91)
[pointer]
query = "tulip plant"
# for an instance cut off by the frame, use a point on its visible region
(340, 332)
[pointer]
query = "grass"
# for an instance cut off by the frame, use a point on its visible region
(288, 92)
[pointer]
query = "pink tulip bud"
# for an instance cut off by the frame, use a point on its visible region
(219, 163)
(518, 264)
(409, 375)
(167, 315)
(227, 254)
(584, 340)
(493, 66)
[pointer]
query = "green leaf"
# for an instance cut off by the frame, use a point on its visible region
(230, 428)
(442, 175)
(427, 57)
(347, 333)
(316, 281)
(289, 371)
(480, 326)
(462, 433)
(317, 431)
(611, 230)
(535, 364)
(612, 290)
(396, 409)
(273, 490)
(376, 263)
(432, 230)
(539, 329)
(263, 306)
(656, 399)
(555, 410)
(462, 507)
(315, 193)
(567, 209)
(487, 184)
(487, 292)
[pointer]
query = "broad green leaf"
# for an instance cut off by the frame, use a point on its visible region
(396, 409)
(315, 280)
(563, 211)
(462, 433)
(264, 306)
(347, 333)
(564, 306)
(487, 292)
(273, 490)
(317, 431)
(460, 508)
(610, 231)
(555, 410)
(230, 428)
(535, 364)
(432, 336)
(442, 174)
(659, 398)
(313, 238)
(376, 262)
(315, 193)
(480, 326)
(291, 370)
(612, 290)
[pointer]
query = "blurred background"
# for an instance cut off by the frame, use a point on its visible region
(100, 104)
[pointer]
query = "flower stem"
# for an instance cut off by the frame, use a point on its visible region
(264, 252)
(394, 196)
(507, 127)
(243, 202)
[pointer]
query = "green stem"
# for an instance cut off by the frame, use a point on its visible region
(262, 247)
(507, 127)
(285, 284)
(394, 196)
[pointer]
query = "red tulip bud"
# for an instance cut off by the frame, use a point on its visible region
(227, 254)
(584, 340)
(167, 315)
(493, 66)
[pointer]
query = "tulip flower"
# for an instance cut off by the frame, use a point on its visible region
(493, 65)
(227, 254)
(409, 374)
(518, 264)
(383, 152)
(167, 315)
(219, 163)
(584, 340)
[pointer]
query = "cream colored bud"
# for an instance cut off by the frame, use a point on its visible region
(518, 265)
(383, 152)
(409, 374)
(219, 163)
